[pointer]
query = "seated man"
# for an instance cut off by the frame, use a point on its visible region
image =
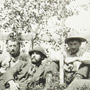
(42, 66)
(73, 61)
(76, 60)
(9, 58)
(33, 71)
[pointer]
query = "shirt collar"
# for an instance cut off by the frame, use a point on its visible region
(14, 59)
(79, 53)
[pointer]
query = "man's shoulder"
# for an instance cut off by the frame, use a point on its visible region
(86, 55)
(48, 62)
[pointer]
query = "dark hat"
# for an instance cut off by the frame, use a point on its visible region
(38, 49)
(75, 37)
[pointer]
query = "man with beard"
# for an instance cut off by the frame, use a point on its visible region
(25, 75)
(11, 57)
(41, 68)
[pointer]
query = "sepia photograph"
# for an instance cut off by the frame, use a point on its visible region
(44, 44)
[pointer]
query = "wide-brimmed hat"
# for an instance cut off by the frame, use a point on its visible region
(38, 49)
(75, 37)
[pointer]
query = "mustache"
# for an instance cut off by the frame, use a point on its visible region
(12, 50)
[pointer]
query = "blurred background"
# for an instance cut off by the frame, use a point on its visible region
(44, 22)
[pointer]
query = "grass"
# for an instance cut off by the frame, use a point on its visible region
(55, 85)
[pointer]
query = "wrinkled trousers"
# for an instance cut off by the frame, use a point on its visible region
(82, 73)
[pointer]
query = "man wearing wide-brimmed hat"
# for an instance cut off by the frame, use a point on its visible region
(76, 59)
(81, 39)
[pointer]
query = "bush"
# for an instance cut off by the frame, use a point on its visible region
(55, 85)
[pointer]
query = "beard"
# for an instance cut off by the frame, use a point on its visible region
(14, 54)
(35, 61)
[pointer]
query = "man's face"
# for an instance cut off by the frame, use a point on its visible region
(74, 46)
(35, 57)
(13, 48)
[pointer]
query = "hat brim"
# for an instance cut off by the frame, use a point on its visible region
(30, 53)
(72, 38)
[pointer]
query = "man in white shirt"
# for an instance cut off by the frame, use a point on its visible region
(73, 60)
(76, 60)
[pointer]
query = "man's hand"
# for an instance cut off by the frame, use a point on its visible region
(76, 65)
(13, 85)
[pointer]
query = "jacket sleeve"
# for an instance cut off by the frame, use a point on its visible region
(9, 75)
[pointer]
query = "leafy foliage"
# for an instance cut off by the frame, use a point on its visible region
(55, 84)
(44, 18)
(84, 87)
(29, 16)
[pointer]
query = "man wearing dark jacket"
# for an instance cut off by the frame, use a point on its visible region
(29, 72)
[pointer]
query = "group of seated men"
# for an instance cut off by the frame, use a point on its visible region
(19, 71)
